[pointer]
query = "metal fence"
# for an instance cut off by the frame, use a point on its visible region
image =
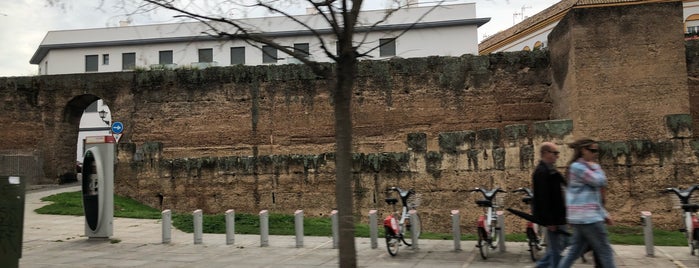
(24, 163)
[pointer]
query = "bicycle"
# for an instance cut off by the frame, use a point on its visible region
(398, 227)
(535, 233)
(488, 229)
(689, 217)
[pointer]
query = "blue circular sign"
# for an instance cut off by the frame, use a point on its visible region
(117, 127)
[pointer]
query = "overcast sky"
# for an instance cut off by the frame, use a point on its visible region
(24, 23)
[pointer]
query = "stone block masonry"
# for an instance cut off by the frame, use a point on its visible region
(283, 183)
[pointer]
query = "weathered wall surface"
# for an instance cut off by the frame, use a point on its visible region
(488, 158)
(275, 109)
(253, 138)
(606, 62)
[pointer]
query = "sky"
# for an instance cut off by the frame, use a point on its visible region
(24, 23)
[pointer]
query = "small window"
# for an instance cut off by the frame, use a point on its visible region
(206, 55)
(269, 54)
(387, 47)
(237, 55)
(91, 62)
(128, 61)
(105, 59)
(302, 48)
(165, 57)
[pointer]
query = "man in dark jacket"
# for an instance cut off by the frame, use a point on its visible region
(549, 203)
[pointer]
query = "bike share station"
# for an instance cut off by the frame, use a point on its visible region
(98, 183)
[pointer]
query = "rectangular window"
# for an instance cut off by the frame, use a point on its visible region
(91, 62)
(237, 55)
(128, 61)
(387, 47)
(105, 59)
(269, 54)
(302, 48)
(165, 57)
(206, 55)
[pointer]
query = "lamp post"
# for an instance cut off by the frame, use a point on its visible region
(103, 115)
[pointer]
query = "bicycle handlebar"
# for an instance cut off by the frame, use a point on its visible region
(525, 190)
(683, 195)
(488, 194)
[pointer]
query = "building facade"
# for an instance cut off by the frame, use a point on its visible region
(186, 45)
(532, 33)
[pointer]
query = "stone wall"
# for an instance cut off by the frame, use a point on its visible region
(606, 62)
(261, 137)
(493, 157)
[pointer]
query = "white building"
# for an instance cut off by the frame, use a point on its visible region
(532, 33)
(449, 30)
(92, 124)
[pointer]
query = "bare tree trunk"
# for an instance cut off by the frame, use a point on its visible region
(346, 70)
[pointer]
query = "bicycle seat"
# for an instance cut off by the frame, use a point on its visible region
(690, 207)
(391, 201)
(484, 203)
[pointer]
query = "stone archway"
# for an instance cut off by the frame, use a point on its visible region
(65, 136)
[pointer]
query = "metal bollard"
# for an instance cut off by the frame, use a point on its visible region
(647, 222)
(198, 226)
(298, 224)
(456, 229)
(373, 229)
(335, 227)
(230, 227)
(264, 228)
(167, 226)
(414, 226)
(501, 230)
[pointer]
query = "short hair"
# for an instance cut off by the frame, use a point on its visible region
(545, 147)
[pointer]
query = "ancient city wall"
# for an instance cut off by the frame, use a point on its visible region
(252, 138)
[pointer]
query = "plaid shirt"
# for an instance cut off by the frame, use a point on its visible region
(583, 196)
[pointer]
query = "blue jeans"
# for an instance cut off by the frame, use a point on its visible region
(595, 235)
(555, 243)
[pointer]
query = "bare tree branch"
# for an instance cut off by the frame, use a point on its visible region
(242, 33)
(323, 44)
(410, 27)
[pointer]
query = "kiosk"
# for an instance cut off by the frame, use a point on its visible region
(98, 186)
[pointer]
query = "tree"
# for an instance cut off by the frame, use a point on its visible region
(342, 20)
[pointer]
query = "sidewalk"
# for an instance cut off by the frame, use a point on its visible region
(58, 241)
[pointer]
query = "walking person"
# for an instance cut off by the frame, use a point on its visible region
(549, 204)
(585, 210)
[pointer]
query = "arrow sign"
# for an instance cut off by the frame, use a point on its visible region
(117, 127)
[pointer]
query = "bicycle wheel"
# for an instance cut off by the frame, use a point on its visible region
(392, 241)
(534, 248)
(407, 233)
(483, 245)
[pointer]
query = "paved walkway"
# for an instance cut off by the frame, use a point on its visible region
(58, 241)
